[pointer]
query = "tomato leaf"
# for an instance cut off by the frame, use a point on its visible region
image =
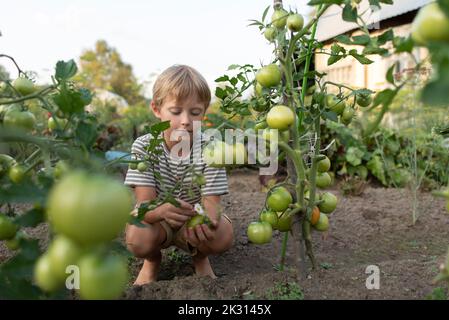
(86, 133)
(222, 79)
(361, 40)
(220, 93)
(65, 70)
(349, 13)
(354, 156)
(385, 37)
(389, 75)
(333, 59)
(384, 97)
(360, 58)
(31, 218)
(317, 2)
(265, 13)
(375, 166)
(233, 67)
(378, 2)
(157, 128)
(403, 44)
(330, 115)
(343, 39)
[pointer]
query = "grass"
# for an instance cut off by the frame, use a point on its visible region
(285, 291)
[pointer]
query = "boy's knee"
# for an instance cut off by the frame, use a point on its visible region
(139, 251)
(226, 241)
(141, 242)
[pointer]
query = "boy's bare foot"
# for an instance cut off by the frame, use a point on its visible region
(203, 267)
(149, 271)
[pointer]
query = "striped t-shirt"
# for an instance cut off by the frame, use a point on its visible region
(166, 171)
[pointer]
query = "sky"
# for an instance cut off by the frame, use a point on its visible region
(208, 35)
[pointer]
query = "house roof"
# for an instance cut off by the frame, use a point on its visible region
(331, 24)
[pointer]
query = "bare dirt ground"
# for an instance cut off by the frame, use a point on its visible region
(371, 229)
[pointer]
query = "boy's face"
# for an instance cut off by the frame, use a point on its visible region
(181, 115)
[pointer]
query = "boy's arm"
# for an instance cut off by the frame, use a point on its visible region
(213, 209)
(144, 194)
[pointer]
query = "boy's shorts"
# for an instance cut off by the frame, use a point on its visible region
(176, 237)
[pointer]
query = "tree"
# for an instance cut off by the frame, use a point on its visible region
(104, 68)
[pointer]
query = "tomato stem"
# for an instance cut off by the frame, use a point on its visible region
(283, 251)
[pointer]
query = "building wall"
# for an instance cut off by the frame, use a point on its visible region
(354, 74)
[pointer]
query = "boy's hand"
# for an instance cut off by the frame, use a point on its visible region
(201, 233)
(175, 216)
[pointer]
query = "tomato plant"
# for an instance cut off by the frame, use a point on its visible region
(291, 97)
(56, 167)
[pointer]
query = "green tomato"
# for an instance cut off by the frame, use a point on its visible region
(19, 119)
(53, 123)
(259, 232)
(44, 275)
(196, 220)
(16, 173)
(329, 202)
(89, 208)
(323, 180)
(280, 117)
(6, 162)
(269, 76)
(335, 104)
(348, 114)
(62, 253)
(61, 168)
(285, 221)
(323, 223)
(133, 166)
(324, 165)
(430, 25)
(295, 22)
(142, 166)
(23, 85)
(364, 100)
(270, 34)
(279, 199)
(279, 18)
(102, 277)
(7, 228)
(271, 217)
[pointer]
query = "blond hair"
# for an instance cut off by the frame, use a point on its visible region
(181, 82)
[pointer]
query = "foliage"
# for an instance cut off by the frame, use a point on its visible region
(103, 67)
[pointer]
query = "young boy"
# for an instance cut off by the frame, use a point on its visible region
(180, 95)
